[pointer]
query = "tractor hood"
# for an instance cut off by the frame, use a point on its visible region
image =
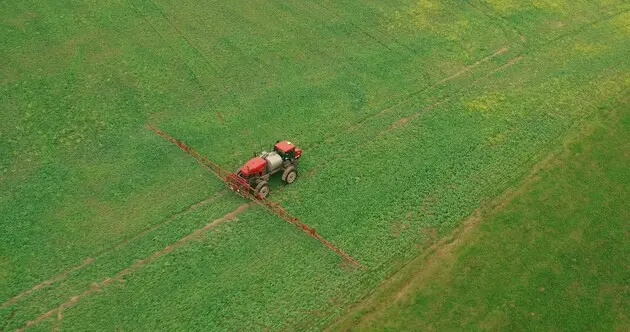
(253, 166)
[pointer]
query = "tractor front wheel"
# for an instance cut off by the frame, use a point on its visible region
(262, 189)
(289, 175)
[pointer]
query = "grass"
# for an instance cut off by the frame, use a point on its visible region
(409, 122)
(550, 255)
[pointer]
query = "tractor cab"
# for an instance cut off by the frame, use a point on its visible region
(287, 150)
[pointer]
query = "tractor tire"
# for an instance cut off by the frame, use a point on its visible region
(289, 175)
(262, 189)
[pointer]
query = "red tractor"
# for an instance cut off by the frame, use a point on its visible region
(283, 158)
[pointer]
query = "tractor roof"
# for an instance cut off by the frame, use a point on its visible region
(285, 146)
(254, 165)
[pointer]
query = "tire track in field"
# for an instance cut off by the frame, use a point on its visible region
(506, 65)
(60, 276)
(507, 24)
(402, 121)
(445, 246)
(586, 26)
(470, 67)
(409, 96)
(8, 320)
(366, 33)
(503, 67)
(515, 60)
(153, 227)
(96, 287)
(200, 85)
(87, 261)
(190, 43)
(398, 123)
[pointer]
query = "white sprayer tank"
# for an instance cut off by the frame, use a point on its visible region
(274, 161)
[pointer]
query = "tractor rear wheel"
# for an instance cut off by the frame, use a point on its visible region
(262, 189)
(289, 175)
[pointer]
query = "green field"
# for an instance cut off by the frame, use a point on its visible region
(412, 114)
(550, 254)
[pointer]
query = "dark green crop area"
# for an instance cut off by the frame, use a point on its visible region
(411, 114)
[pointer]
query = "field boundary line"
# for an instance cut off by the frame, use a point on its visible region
(87, 261)
(95, 287)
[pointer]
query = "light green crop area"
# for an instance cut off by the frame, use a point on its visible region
(410, 113)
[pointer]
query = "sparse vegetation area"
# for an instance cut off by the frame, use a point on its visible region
(412, 114)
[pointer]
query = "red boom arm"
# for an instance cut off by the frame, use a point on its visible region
(240, 186)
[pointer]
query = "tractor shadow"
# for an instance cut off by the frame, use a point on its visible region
(275, 184)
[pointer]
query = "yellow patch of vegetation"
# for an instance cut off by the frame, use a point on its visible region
(485, 103)
(496, 139)
(622, 22)
(589, 48)
(430, 15)
(609, 3)
(513, 6)
(554, 5)
(506, 6)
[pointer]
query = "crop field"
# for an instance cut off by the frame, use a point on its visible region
(562, 236)
(411, 113)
